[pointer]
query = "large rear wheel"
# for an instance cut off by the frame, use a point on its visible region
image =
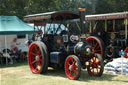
(37, 57)
(96, 65)
(97, 45)
(72, 67)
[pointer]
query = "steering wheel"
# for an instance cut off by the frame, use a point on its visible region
(64, 32)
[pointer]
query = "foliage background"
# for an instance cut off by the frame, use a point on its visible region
(21, 8)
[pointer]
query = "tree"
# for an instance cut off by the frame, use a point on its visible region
(110, 6)
(21, 8)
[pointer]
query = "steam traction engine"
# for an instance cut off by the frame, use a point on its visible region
(59, 48)
(112, 33)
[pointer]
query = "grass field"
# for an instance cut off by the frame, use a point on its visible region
(20, 74)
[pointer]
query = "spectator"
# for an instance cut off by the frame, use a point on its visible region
(14, 48)
(28, 42)
(7, 53)
(14, 44)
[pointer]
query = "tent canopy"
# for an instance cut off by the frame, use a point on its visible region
(13, 25)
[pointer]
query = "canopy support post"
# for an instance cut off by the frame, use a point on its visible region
(6, 50)
(90, 27)
(126, 28)
(114, 25)
(105, 25)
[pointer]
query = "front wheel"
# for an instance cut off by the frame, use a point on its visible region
(96, 66)
(72, 67)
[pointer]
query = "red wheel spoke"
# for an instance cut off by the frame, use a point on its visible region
(76, 66)
(97, 51)
(37, 64)
(36, 49)
(40, 62)
(34, 61)
(72, 61)
(40, 56)
(37, 68)
(32, 53)
(75, 72)
(39, 52)
(95, 45)
(70, 72)
(91, 63)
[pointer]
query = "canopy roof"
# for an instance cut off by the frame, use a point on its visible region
(109, 16)
(56, 15)
(13, 25)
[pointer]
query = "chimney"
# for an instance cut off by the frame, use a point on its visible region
(82, 19)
